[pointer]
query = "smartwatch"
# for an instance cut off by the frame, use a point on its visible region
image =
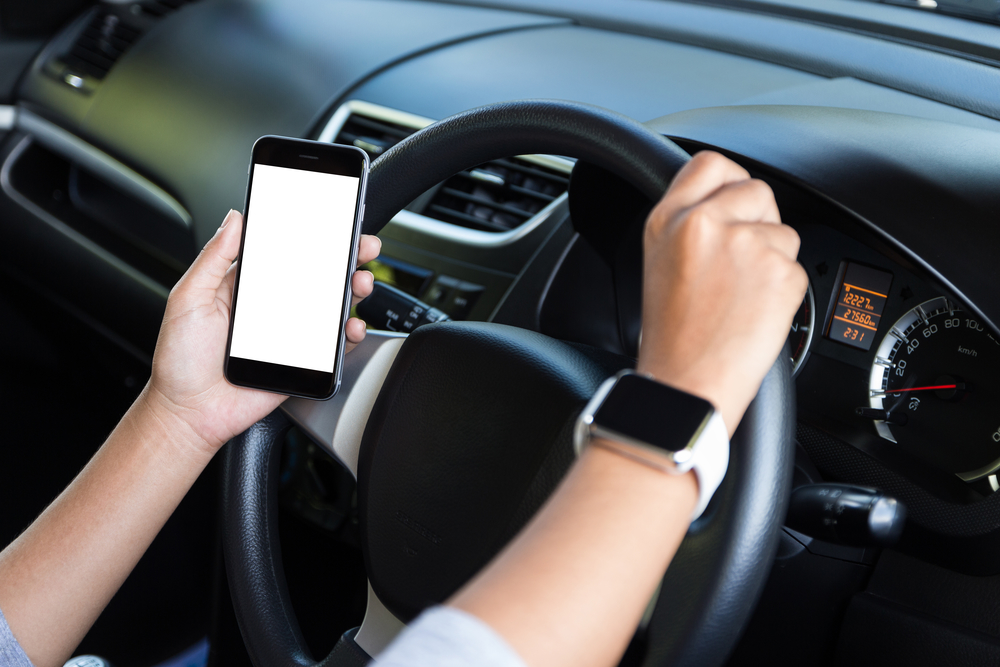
(658, 426)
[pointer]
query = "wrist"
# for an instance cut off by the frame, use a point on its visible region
(666, 429)
(682, 489)
(175, 430)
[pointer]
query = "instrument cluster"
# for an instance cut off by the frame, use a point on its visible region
(896, 359)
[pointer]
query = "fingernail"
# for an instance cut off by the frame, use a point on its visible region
(229, 216)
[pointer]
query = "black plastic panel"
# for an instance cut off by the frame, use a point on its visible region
(579, 304)
(800, 611)
(946, 619)
(15, 56)
(125, 227)
(877, 632)
(110, 293)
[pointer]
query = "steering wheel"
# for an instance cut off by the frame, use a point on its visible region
(458, 432)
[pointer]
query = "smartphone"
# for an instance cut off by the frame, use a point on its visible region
(292, 296)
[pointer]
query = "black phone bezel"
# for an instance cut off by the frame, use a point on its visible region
(308, 156)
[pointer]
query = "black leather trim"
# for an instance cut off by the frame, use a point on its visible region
(252, 551)
(718, 573)
(251, 547)
(605, 138)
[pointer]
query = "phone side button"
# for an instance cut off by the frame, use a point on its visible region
(362, 213)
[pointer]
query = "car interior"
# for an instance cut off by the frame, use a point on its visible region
(517, 147)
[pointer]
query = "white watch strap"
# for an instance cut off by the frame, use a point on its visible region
(711, 460)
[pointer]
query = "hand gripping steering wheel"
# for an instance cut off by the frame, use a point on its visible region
(459, 432)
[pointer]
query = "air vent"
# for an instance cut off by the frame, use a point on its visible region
(110, 31)
(101, 43)
(497, 196)
(372, 136)
(494, 197)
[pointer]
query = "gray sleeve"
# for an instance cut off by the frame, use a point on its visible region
(447, 637)
(11, 653)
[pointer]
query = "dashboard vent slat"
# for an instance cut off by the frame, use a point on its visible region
(497, 196)
(104, 40)
(477, 198)
(526, 190)
(520, 166)
(110, 33)
(372, 136)
(471, 221)
(396, 131)
(517, 188)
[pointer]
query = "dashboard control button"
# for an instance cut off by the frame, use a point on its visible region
(453, 296)
(392, 309)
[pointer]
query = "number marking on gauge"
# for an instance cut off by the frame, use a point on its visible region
(932, 378)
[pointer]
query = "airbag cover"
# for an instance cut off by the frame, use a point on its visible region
(470, 434)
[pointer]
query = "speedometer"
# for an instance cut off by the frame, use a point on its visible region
(934, 389)
(801, 334)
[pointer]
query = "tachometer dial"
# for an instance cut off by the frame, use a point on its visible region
(934, 389)
(801, 335)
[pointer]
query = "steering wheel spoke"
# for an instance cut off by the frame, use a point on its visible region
(337, 424)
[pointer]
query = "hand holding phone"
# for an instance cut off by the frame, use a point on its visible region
(292, 295)
(187, 382)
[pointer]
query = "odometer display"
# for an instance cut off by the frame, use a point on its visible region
(862, 296)
(935, 376)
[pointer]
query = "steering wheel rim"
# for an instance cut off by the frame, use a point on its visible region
(717, 575)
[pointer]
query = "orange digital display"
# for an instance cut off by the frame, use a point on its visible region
(858, 310)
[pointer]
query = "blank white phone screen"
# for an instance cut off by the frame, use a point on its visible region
(298, 231)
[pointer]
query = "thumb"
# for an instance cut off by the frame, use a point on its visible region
(209, 268)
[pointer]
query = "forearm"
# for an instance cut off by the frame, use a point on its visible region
(572, 587)
(57, 577)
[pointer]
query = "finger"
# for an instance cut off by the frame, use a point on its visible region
(700, 178)
(225, 291)
(782, 238)
(355, 333)
(361, 286)
(211, 265)
(744, 201)
(369, 248)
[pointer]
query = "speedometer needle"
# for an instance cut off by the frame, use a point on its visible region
(934, 388)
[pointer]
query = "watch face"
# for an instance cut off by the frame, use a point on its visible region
(645, 410)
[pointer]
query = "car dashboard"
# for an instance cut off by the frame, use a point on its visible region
(883, 151)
